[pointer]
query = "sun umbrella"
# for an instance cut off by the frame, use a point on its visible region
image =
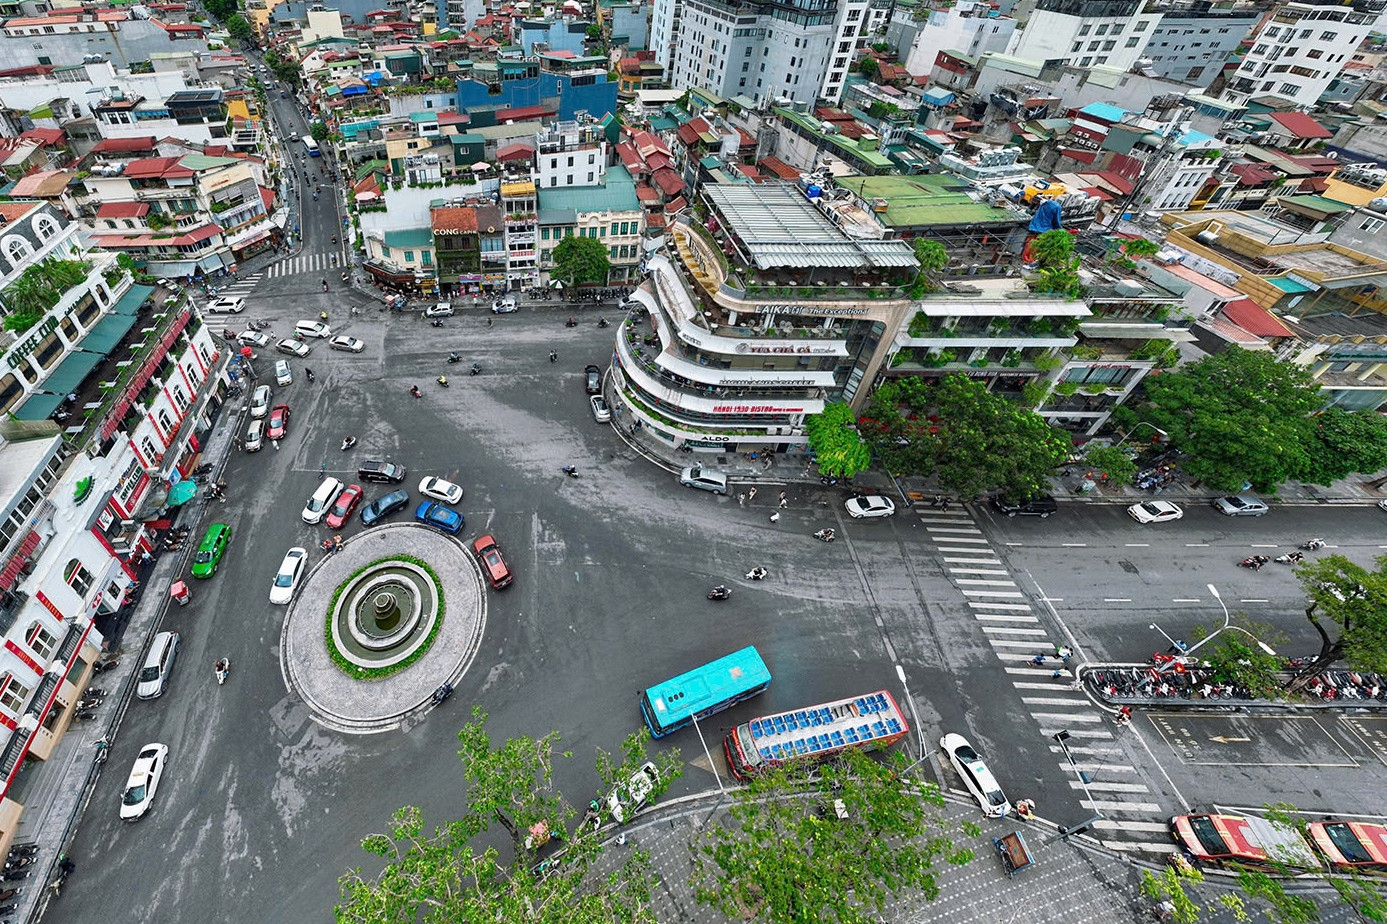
(181, 493)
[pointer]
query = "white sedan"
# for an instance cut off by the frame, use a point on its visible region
(315, 329)
(253, 338)
(143, 781)
(287, 580)
(978, 780)
(1155, 512)
(623, 800)
(346, 344)
(440, 490)
(293, 348)
(871, 505)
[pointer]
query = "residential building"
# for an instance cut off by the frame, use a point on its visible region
(1301, 49)
(610, 212)
(919, 33)
(1193, 41)
(64, 38)
(564, 85)
(570, 153)
(403, 258)
(627, 23)
(799, 51)
(1087, 32)
(519, 204)
(562, 34)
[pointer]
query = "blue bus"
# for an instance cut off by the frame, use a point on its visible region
(311, 146)
(704, 691)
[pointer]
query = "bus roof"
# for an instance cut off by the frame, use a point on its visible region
(694, 691)
(827, 727)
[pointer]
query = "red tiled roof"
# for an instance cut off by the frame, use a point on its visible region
(523, 114)
(150, 167)
(267, 197)
(669, 182)
(517, 151)
(648, 143)
(676, 205)
(657, 160)
(654, 220)
(454, 118)
(1255, 319)
(691, 131)
(1120, 183)
(778, 167)
(1252, 174)
(123, 210)
(1300, 125)
(748, 170)
(45, 135)
(630, 159)
(1083, 157)
(646, 193)
(117, 241)
(455, 220)
(124, 145)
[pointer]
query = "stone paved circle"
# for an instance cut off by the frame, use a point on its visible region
(367, 706)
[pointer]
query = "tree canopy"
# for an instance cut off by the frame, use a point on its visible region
(1343, 443)
(833, 437)
(439, 877)
(239, 29)
(1241, 417)
(581, 260)
(790, 853)
(1347, 605)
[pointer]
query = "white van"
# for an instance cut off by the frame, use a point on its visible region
(321, 500)
(282, 374)
(154, 675)
(314, 329)
(255, 436)
(260, 401)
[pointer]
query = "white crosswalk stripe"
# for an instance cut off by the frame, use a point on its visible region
(301, 263)
(1101, 805)
(985, 582)
(1141, 846)
(978, 604)
(976, 571)
(1003, 617)
(1005, 643)
(1054, 701)
(1109, 786)
(1012, 630)
(1066, 717)
(1111, 824)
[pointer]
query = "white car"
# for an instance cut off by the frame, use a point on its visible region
(440, 310)
(440, 490)
(624, 800)
(316, 329)
(977, 779)
(321, 501)
(600, 412)
(1155, 512)
(872, 505)
(346, 344)
(504, 305)
(293, 348)
(287, 580)
(144, 781)
(253, 338)
(226, 305)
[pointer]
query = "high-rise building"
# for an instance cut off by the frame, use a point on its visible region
(1301, 49)
(1192, 41)
(799, 49)
(1087, 32)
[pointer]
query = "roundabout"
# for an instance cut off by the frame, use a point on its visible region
(381, 624)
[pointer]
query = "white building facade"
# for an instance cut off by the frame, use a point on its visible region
(1301, 49)
(1087, 33)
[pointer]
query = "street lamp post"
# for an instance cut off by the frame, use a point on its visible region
(1227, 624)
(919, 733)
(1144, 423)
(1062, 737)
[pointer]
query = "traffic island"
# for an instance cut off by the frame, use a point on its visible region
(380, 624)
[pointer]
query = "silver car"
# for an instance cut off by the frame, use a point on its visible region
(696, 476)
(1240, 505)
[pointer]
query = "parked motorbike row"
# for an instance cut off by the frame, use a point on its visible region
(1333, 685)
(1148, 683)
(1153, 479)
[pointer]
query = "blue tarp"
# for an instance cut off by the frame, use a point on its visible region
(1046, 218)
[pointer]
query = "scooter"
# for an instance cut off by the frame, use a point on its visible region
(570, 322)
(348, 443)
(553, 356)
(414, 390)
(1312, 545)
(442, 380)
(453, 358)
(570, 471)
(757, 574)
(827, 534)
(719, 593)
(308, 373)
(602, 322)
(437, 322)
(476, 369)
(103, 749)
(324, 281)
(107, 665)
(1255, 562)
(18, 863)
(222, 668)
(442, 693)
(1290, 558)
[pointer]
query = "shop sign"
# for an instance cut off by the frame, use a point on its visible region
(788, 349)
(21, 350)
(755, 409)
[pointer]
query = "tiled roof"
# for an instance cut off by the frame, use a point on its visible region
(669, 182)
(778, 167)
(151, 167)
(1255, 319)
(123, 210)
(1300, 125)
(124, 145)
(455, 220)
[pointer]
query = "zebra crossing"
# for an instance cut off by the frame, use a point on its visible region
(302, 263)
(1006, 620)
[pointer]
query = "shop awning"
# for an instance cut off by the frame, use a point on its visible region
(71, 372)
(107, 333)
(39, 407)
(133, 298)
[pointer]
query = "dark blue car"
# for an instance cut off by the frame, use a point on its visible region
(432, 513)
(382, 507)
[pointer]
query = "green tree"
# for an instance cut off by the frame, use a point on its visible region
(1141, 247)
(789, 855)
(1347, 605)
(1236, 659)
(1113, 462)
(896, 430)
(987, 443)
(833, 436)
(439, 877)
(37, 290)
(581, 260)
(1240, 416)
(1058, 264)
(222, 9)
(1345, 443)
(933, 257)
(1053, 248)
(239, 29)
(594, 32)
(868, 67)
(318, 129)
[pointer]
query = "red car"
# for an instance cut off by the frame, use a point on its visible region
(344, 505)
(279, 422)
(489, 554)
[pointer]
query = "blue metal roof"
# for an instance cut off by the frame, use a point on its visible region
(1106, 111)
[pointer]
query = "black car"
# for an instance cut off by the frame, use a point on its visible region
(594, 380)
(382, 507)
(1037, 507)
(375, 470)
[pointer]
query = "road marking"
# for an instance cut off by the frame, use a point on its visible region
(1052, 687)
(965, 551)
(1104, 806)
(1032, 672)
(1225, 739)
(1080, 749)
(1102, 786)
(1000, 606)
(1117, 599)
(969, 561)
(1054, 599)
(1016, 543)
(1066, 716)
(1196, 545)
(984, 582)
(1053, 700)
(1003, 643)
(1073, 545)
(1094, 767)
(1004, 617)
(1137, 545)
(1147, 846)
(1184, 600)
(1265, 545)
(1155, 827)
(979, 541)
(1079, 733)
(1254, 600)
(1007, 630)
(994, 593)
(954, 529)
(980, 571)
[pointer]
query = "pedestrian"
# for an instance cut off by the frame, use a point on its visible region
(751, 495)
(1025, 808)
(322, 469)
(238, 444)
(1124, 715)
(1038, 660)
(146, 558)
(275, 443)
(775, 517)
(490, 321)
(1059, 673)
(784, 500)
(1064, 652)
(741, 500)
(945, 505)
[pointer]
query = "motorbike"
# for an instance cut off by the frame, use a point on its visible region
(442, 380)
(437, 322)
(1255, 562)
(7, 894)
(719, 593)
(87, 704)
(414, 390)
(827, 534)
(346, 277)
(570, 322)
(103, 749)
(26, 850)
(229, 334)
(602, 322)
(570, 471)
(442, 693)
(222, 668)
(1312, 545)
(18, 863)
(324, 285)
(757, 574)
(348, 443)
(476, 369)
(553, 356)
(453, 358)
(593, 816)
(106, 665)
(308, 373)
(17, 874)
(258, 325)
(65, 868)
(1290, 558)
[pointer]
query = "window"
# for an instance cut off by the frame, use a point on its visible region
(1371, 225)
(13, 694)
(1085, 62)
(1117, 29)
(613, 253)
(1102, 29)
(46, 227)
(615, 228)
(1102, 59)
(77, 577)
(1328, 36)
(1083, 30)
(1290, 89)
(409, 256)
(425, 258)
(1078, 46)
(1094, 46)
(180, 398)
(16, 248)
(1109, 45)
(1142, 25)
(570, 161)
(1194, 72)
(1315, 53)
(553, 181)
(602, 231)
(40, 641)
(544, 234)
(1260, 50)
(151, 454)
(1305, 33)
(1131, 42)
